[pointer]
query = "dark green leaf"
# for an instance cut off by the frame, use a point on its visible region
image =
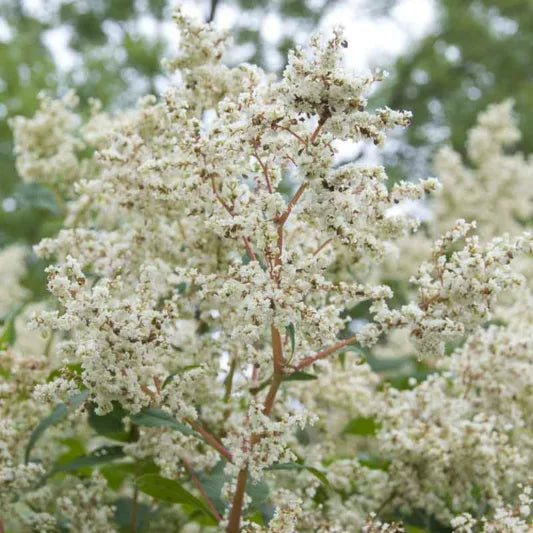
(124, 515)
(215, 480)
(290, 331)
(109, 425)
(75, 449)
(101, 455)
(300, 376)
(213, 483)
(362, 425)
(153, 417)
(8, 335)
(54, 417)
(258, 492)
(117, 473)
(168, 490)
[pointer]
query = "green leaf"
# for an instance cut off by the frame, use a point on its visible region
(110, 425)
(101, 455)
(290, 331)
(213, 483)
(257, 491)
(117, 473)
(298, 375)
(413, 529)
(8, 335)
(362, 425)
(256, 517)
(297, 466)
(58, 414)
(373, 461)
(35, 196)
(72, 369)
(75, 449)
(153, 417)
(124, 515)
(169, 490)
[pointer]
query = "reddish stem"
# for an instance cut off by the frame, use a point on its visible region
(234, 520)
(249, 249)
(292, 203)
(198, 485)
(321, 122)
(312, 358)
(265, 172)
(292, 133)
(322, 246)
(210, 439)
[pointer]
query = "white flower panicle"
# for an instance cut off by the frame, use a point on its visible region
(204, 285)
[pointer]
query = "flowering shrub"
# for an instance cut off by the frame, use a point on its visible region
(201, 370)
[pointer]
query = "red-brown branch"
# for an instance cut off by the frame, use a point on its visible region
(219, 198)
(224, 204)
(321, 122)
(306, 361)
(295, 135)
(322, 246)
(249, 249)
(293, 201)
(201, 490)
(212, 441)
(234, 520)
(265, 172)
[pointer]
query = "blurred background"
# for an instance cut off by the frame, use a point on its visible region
(447, 60)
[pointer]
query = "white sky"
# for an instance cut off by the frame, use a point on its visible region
(373, 40)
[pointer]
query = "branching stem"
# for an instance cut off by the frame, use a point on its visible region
(201, 490)
(306, 361)
(210, 439)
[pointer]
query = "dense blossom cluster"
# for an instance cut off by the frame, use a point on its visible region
(201, 295)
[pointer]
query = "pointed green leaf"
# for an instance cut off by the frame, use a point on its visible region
(58, 414)
(292, 336)
(153, 417)
(8, 334)
(101, 455)
(169, 490)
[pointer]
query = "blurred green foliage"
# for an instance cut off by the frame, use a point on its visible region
(479, 53)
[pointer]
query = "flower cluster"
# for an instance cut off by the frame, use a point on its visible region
(204, 300)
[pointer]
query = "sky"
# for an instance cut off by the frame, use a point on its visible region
(375, 40)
